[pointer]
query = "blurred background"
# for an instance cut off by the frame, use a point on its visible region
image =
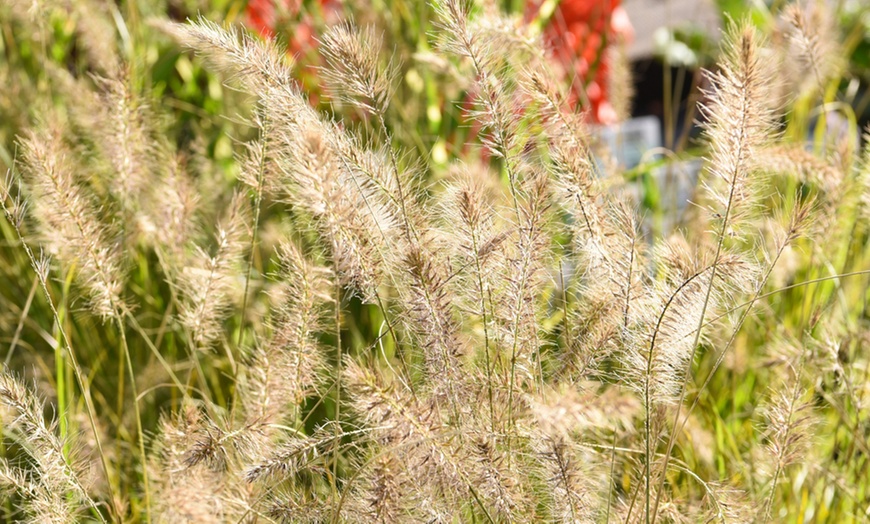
(634, 66)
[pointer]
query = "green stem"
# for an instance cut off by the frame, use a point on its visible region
(77, 370)
(334, 478)
(261, 171)
(126, 350)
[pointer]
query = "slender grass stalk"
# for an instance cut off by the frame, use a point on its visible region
(480, 290)
(258, 199)
(60, 372)
(338, 357)
(768, 505)
(647, 391)
(41, 267)
(376, 293)
(455, 18)
(798, 222)
(17, 336)
(141, 433)
(610, 478)
(740, 98)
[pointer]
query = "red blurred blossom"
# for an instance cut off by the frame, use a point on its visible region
(269, 16)
(263, 14)
(579, 34)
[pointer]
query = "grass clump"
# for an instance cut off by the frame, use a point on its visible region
(333, 325)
